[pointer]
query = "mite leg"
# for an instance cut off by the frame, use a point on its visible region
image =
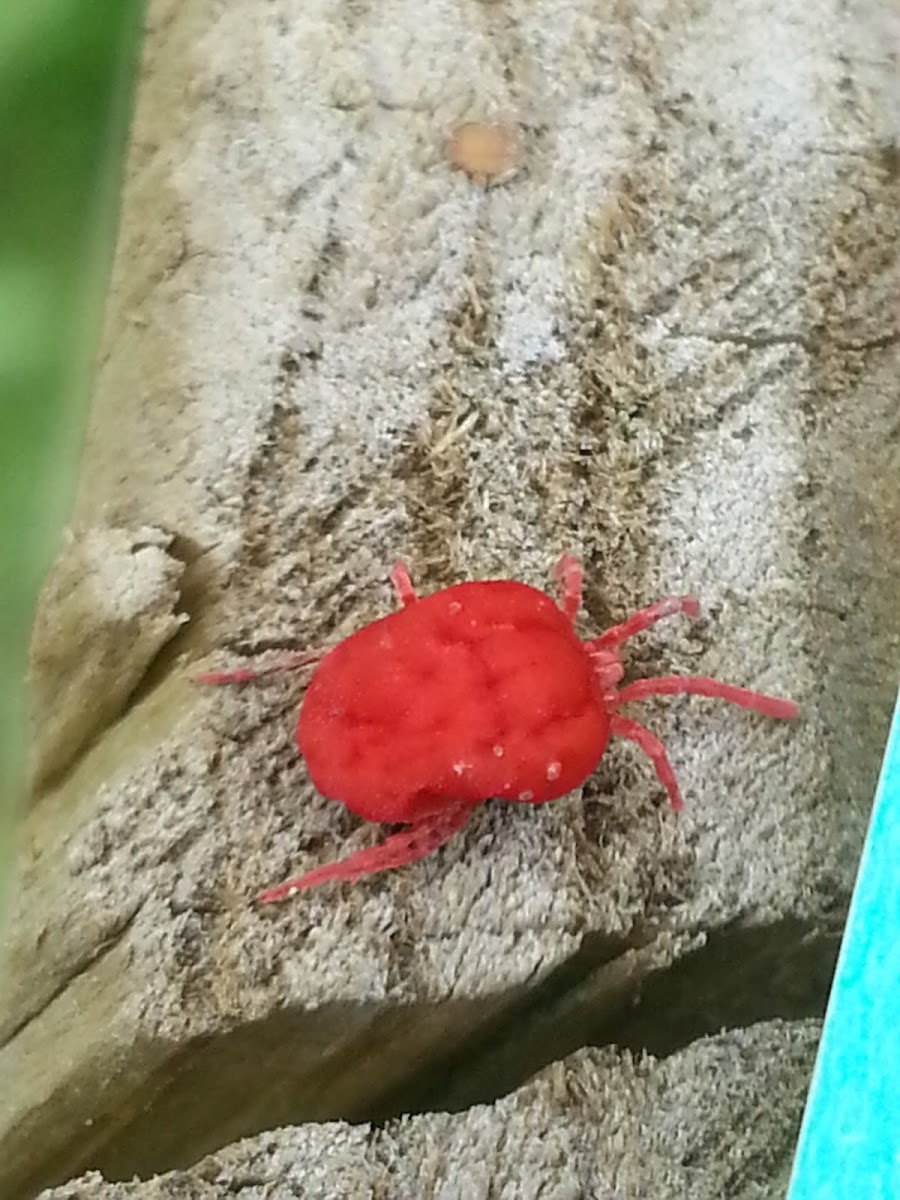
(609, 671)
(655, 751)
(568, 572)
(406, 593)
(418, 841)
(689, 605)
(289, 662)
(702, 685)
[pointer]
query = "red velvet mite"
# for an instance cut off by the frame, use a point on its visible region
(480, 690)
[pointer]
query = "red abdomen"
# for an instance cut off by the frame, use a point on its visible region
(480, 690)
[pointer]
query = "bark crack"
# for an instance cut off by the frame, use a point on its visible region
(652, 992)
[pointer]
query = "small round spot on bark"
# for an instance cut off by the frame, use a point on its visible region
(487, 153)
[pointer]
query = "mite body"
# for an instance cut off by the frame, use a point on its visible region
(482, 690)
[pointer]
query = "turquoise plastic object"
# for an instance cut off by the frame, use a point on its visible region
(849, 1147)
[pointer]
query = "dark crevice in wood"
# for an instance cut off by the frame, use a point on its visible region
(362, 1063)
(741, 975)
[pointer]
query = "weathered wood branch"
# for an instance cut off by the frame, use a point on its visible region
(668, 343)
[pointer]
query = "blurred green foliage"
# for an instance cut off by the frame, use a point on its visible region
(67, 74)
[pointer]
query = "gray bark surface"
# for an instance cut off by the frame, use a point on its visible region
(711, 1121)
(667, 343)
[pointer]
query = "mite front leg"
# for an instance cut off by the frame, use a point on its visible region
(655, 751)
(703, 685)
(609, 671)
(689, 605)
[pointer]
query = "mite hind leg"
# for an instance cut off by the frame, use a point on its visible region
(287, 662)
(570, 574)
(416, 842)
(403, 587)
